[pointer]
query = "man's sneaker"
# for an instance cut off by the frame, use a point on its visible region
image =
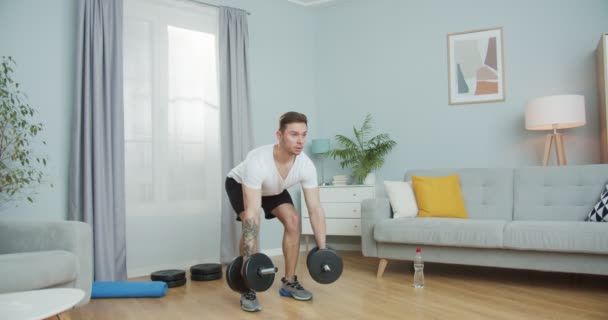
(249, 302)
(294, 289)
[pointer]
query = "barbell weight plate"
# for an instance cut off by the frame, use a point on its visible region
(206, 268)
(312, 252)
(315, 249)
(233, 275)
(205, 277)
(176, 283)
(254, 280)
(168, 275)
(326, 257)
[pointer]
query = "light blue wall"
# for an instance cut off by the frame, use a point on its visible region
(282, 46)
(41, 36)
(389, 58)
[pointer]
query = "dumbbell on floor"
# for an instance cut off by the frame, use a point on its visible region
(324, 265)
(258, 273)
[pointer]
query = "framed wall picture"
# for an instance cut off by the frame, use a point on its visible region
(475, 66)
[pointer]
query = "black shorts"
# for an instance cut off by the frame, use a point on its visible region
(235, 194)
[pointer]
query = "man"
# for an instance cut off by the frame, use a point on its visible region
(261, 182)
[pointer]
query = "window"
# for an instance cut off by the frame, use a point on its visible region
(171, 108)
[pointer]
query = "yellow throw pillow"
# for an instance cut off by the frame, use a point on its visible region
(439, 197)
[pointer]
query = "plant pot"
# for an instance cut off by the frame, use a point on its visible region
(370, 178)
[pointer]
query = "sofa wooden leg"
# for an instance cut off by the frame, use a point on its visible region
(381, 267)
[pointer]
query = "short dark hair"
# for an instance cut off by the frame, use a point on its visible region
(291, 117)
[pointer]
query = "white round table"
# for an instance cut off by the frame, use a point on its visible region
(38, 304)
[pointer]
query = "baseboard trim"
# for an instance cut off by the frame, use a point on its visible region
(183, 265)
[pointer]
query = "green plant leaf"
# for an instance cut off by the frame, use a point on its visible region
(362, 154)
(20, 165)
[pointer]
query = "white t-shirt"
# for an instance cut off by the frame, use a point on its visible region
(259, 171)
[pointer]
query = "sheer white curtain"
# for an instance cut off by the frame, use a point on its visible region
(173, 179)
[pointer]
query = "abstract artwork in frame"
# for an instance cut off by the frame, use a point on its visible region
(475, 66)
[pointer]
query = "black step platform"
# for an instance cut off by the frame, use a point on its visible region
(206, 268)
(168, 275)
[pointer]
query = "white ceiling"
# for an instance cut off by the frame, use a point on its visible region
(308, 3)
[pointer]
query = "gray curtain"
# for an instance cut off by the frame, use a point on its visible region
(235, 106)
(96, 182)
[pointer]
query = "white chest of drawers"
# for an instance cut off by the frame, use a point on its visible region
(342, 205)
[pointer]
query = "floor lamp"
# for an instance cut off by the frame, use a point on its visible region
(552, 113)
(321, 146)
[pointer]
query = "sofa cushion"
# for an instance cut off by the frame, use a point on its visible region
(487, 193)
(439, 197)
(565, 193)
(402, 199)
(441, 232)
(561, 236)
(599, 212)
(23, 271)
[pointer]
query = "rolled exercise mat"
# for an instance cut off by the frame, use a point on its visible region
(139, 289)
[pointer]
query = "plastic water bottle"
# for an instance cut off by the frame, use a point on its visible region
(418, 269)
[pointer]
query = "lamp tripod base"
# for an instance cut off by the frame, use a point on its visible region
(560, 151)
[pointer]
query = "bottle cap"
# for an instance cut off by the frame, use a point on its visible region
(418, 250)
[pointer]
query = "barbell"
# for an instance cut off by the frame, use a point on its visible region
(324, 265)
(258, 273)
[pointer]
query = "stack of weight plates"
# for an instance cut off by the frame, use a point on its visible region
(206, 272)
(173, 278)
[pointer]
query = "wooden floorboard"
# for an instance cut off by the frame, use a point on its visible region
(451, 292)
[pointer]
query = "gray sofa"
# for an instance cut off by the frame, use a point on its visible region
(524, 218)
(50, 254)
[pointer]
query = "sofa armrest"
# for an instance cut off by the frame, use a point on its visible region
(18, 236)
(372, 211)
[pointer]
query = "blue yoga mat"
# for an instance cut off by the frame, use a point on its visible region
(147, 289)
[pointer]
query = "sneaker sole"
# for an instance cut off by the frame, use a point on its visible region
(284, 293)
(251, 310)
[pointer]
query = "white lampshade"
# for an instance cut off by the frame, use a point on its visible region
(555, 112)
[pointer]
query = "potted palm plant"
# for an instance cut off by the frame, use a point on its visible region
(363, 153)
(20, 168)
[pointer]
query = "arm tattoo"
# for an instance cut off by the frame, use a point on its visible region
(249, 236)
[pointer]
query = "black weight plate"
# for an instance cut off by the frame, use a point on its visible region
(168, 275)
(206, 268)
(325, 257)
(253, 279)
(312, 252)
(233, 275)
(176, 283)
(206, 277)
(315, 249)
